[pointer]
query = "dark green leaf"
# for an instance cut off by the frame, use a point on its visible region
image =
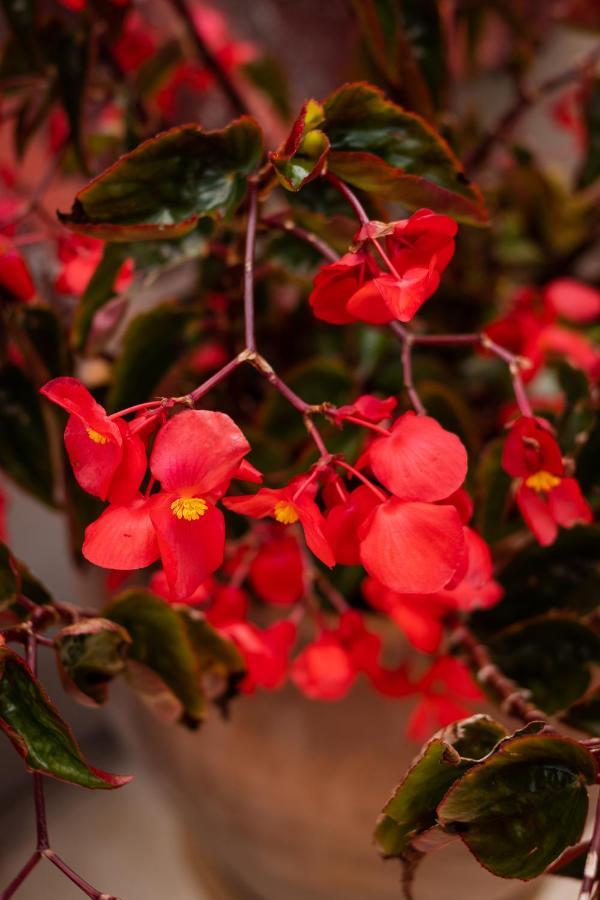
(24, 453)
(154, 70)
(522, 806)
(549, 656)
(68, 50)
(151, 345)
(90, 653)
(379, 147)
(161, 188)
(99, 291)
(303, 156)
(43, 330)
(160, 641)
(492, 492)
(33, 724)
(412, 808)
(269, 75)
(221, 664)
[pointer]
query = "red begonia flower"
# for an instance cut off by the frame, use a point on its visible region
(343, 522)
(337, 282)
(477, 588)
(136, 42)
(447, 682)
(412, 547)
(108, 461)
(228, 604)
(195, 456)
(546, 499)
(573, 299)
(80, 255)
(277, 571)
(576, 348)
(265, 651)
(368, 407)
(123, 537)
(15, 280)
(418, 616)
(288, 505)
(462, 503)
(419, 460)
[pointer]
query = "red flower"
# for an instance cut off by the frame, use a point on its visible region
(80, 256)
(287, 505)
(572, 299)
(447, 682)
(107, 459)
(277, 571)
(418, 616)
(337, 283)
(367, 407)
(545, 497)
(265, 651)
(136, 43)
(327, 668)
(15, 280)
(195, 456)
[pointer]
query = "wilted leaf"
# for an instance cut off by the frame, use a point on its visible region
(160, 189)
(33, 724)
(160, 641)
(381, 148)
(521, 807)
(89, 654)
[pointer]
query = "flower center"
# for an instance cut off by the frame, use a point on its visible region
(96, 437)
(542, 481)
(285, 512)
(189, 508)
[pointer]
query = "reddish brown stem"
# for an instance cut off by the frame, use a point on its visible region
(302, 234)
(249, 265)
(77, 880)
(21, 875)
(350, 197)
(514, 699)
(407, 374)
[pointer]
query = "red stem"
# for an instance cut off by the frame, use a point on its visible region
(302, 234)
(350, 197)
(21, 875)
(80, 882)
(379, 494)
(249, 265)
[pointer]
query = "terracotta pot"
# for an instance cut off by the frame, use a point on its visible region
(279, 803)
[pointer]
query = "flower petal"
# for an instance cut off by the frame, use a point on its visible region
(413, 548)
(132, 467)
(313, 525)
(419, 460)
(77, 400)
(536, 513)
(568, 505)
(190, 550)
(94, 463)
(198, 450)
(122, 538)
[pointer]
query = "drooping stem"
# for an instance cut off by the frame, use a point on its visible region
(211, 60)
(302, 234)
(590, 872)
(513, 699)
(249, 265)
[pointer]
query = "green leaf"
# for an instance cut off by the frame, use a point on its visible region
(267, 74)
(303, 155)
(492, 492)
(68, 49)
(151, 345)
(382, 149)
(412, 808)
(221, 664)
(549, 656)
(43, 330)
(24, 442)
(99, 291)
(519, 808)
(160, 189)
(160, 641)
(20, 15)
(590, 170)
(90, 653)
(585, 714)
(33, 724)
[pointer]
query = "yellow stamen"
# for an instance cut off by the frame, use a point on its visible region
(96, 437)
(542, 481)
(285, 512)
(189, 508)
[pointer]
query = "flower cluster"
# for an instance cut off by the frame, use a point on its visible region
(417, 250)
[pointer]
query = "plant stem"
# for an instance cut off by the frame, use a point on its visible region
(302, 234)
(249, 265)
(350, 197)
(407, 374)
(479, 156)
(514, 702)
(21, 875)
(211, 60)
(81, 883)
